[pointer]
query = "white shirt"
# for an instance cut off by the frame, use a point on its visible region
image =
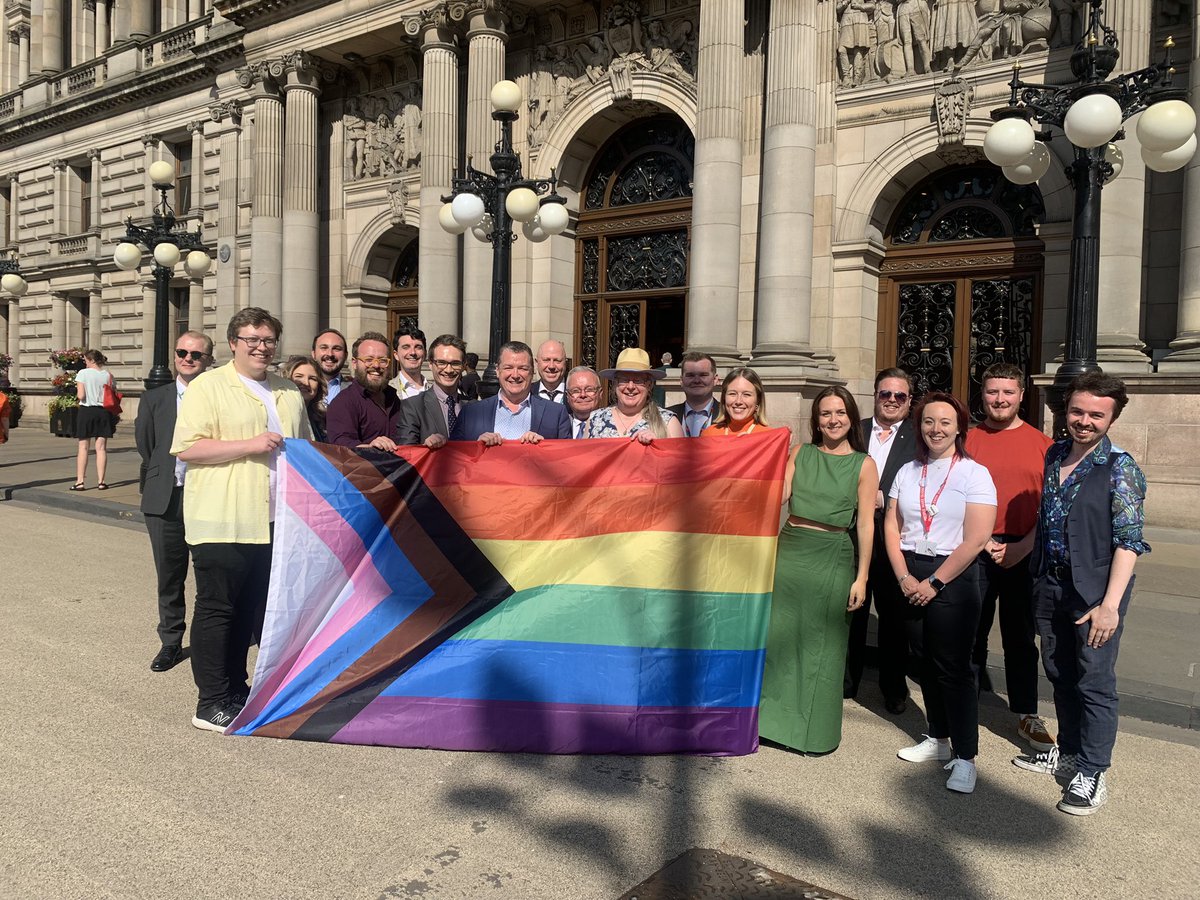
(406, 388)
(554, 395)
(578, 426)
(262, 390)
(879, 449)
(180, 465)
(968, 482)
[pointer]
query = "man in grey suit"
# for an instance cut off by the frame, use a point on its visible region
(161, 479)
(891, 441)
(429, 417)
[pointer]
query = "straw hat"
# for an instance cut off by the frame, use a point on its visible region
(633, 359)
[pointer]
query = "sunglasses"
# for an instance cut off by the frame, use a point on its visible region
(898, 396)
(193, 355)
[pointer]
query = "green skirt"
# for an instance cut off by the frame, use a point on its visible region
(801, 703)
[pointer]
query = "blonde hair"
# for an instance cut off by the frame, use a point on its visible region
(760, 410)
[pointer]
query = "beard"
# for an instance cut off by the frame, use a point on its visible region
(370, 381)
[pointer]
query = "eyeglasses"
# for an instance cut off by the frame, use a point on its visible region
(193, 355)
(253, 342)
(583, 392)
(898, 396)
(451, 364)
(374, 362)
(632, 377)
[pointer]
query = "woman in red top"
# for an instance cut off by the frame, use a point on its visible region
(743, 407)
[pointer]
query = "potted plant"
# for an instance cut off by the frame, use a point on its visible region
(10, 391)
(63, 406)
(69, 360)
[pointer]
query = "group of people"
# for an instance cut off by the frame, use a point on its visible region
(937, 524)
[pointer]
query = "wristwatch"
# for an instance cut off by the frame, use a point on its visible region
(936, 583)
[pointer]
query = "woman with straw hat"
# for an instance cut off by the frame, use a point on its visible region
(635, 415)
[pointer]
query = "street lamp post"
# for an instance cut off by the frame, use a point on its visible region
(1090, 113)
(488, 205)
(166, 240)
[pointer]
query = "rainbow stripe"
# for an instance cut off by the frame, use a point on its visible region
(569, 597)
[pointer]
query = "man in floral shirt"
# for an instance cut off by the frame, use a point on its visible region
(1089, 535)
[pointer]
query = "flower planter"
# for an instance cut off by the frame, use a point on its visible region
(62, 422)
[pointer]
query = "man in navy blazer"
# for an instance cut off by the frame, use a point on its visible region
(161, 481)
(891, 441)
(514, 414)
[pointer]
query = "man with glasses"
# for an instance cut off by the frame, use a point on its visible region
(514, 414)
(583, 396)
(230, 429)
(161, 481)
(329, 350)
(429, 417)
(891, 442)
(365, 414)
(408, 348)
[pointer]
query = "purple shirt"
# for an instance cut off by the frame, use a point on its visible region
(354, 418)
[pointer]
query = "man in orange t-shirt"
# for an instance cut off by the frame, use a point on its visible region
(1014, 452)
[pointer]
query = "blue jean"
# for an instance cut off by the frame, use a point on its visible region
(1084, 678)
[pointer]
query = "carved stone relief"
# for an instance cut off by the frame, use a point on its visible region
(886, 40)
(568, 60)
(382, 132)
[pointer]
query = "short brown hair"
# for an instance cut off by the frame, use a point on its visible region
(449, 340)
(200, 336)
(253, 316)
(894, 372)
(1003, 370)
(695, 356)
(367, 336)
(1099, 385)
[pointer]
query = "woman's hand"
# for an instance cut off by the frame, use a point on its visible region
(858, 594)
(921, 593)
(645, 436)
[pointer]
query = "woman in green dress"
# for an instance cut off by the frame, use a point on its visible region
(830, 485)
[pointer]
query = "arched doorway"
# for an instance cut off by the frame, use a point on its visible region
(402, 296)
(961, 283)
(632, 243)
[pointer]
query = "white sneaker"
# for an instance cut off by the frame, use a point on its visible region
(928, 750)
(962, 775)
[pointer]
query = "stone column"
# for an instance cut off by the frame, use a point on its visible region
(6, 236)
(150, 145)
(197, 130)
(22, 31)
(300, 222)
(97, 188)
(195, 9)
(227, 117)
(712, 316)
(12, 61)
(485, 66)
(102, 36)
(785, 254)
(85, 31)
(51, 36)
(141, 18)
(62, 197)
(266, 221)
(1119, 310)
(437, 296)
(14, 203)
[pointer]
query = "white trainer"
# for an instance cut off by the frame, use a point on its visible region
(962, 775)
(928, 750)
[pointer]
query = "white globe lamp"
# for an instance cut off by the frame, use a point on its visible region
(127, 256)
(554, 217)
(162, 172)
(1166, 125)
(1008, 141)
(196, 263)
(14, 284)
(534, 231)
(1115, 158)
(166, 255)
(467, 209)
(1171, 159)
(522, 204)
(1031, 168)
(483, 230)
(448, 222)
(506, 96)
(1092, 120)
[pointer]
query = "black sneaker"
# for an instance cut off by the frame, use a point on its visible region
(1084, 795)
(216, 717)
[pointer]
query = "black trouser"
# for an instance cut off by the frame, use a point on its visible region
(231, 597)
(890, 607)
(170, 553)
(941, 636)
(1012, 588)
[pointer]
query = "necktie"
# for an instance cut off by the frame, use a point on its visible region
(697, 421)
(451, 415)
(579, 424)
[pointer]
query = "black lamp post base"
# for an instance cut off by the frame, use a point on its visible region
(157, 377)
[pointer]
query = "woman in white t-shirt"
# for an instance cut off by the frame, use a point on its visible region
(940, 513)
(93, 421)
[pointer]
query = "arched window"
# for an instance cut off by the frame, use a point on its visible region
(960, 285)
(402, 298)
(632, 243)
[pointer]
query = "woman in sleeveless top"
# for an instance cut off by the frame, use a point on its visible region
(831, 485)
(743, 406)
(93, 421)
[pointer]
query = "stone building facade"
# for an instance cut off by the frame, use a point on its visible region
(797, 183)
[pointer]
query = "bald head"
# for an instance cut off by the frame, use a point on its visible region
(551, 363)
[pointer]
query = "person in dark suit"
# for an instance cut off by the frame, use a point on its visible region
(551, 364)
(583, 396)
(469, 385)
(161, 481)
(429, 417)
(513, 414)
(891, 442)
(698, 378)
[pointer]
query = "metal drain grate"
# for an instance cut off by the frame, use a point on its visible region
(703, 873)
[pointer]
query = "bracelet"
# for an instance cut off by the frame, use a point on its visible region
(900, 583)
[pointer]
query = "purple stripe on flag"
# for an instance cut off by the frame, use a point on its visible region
(516, 727)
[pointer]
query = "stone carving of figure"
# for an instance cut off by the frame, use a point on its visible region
(887, 58)
(623, 34)
(662, 49)
(912, 29)
(541, 97)
(593, 58)
(1068, 22)
(354, 131)
(409, 128)
(1009, 28)
(954, 26)
(854, 40)
(565, 70)
(397, 198)
(380, 136)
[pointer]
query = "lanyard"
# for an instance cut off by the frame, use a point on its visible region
(928, 512)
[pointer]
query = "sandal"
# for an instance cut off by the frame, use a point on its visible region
(78, 487)
(102, 486)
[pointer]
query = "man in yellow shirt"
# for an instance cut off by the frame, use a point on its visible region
(230, 430)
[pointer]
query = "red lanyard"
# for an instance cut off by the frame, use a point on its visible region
(927, 513)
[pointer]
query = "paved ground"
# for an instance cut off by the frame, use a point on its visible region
(109, 791)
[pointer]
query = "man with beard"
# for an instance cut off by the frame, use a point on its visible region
(513, 414)
(429, 417)
(365, 414)
(408, 348)
(551, 363)
(329, 350)
(583, 396)
(1014, 452)
(1089, 535)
